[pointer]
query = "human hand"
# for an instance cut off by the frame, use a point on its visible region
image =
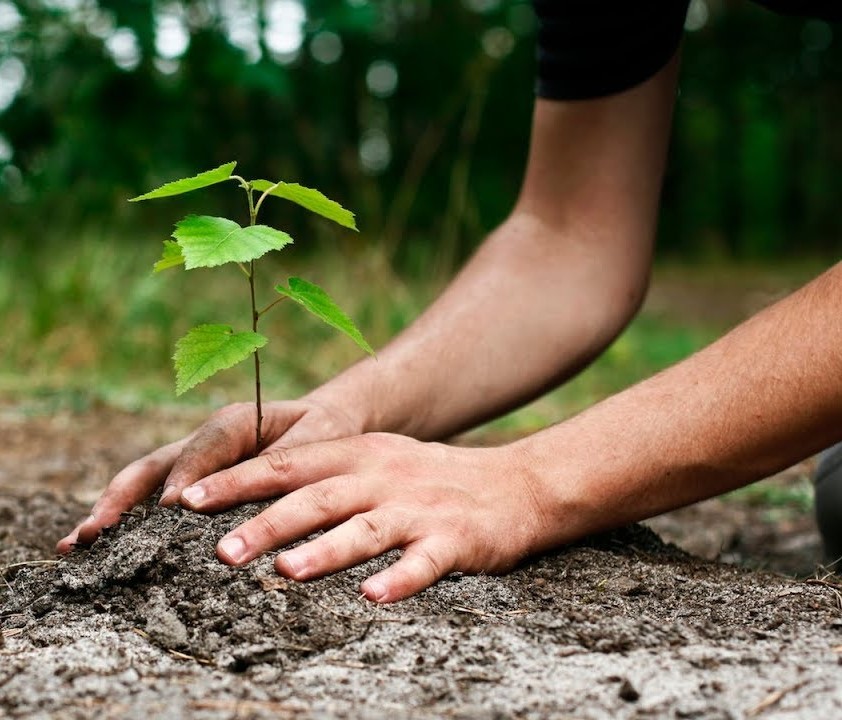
(225, 439)
(448, 508)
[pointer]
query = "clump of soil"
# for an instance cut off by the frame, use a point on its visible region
(148, 622)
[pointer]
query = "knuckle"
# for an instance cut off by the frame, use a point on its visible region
(145, 466)
(371, 530)
(375, 440)
(323, 498)
(228, 481)
(331, 554)
(432, 566)
(266, 526)
(279, 461)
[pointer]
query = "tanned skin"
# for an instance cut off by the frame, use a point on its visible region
(545, 294)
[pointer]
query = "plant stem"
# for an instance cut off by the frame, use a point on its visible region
(263, 197)
(272, 304)
(255, 316)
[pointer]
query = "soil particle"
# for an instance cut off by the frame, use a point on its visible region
(628, 692)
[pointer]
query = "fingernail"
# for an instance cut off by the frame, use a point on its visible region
(295, 563)
(168, 494)
(375, 589)
(194, 495)
(233, 548)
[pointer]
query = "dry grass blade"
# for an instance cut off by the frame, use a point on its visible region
(773, 699)
(193, 658)
(484, 614)
(28, 563)
(244, 707)
(835, 588)
(473, 611)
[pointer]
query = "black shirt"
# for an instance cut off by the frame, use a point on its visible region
(589, 49)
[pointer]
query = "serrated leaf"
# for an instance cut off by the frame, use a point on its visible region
(311, 199)
(171, 257)
(177, 187)
(207, 241)
(318, 302)
(207, 349)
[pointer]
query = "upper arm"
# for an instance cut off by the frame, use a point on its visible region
(597, 165)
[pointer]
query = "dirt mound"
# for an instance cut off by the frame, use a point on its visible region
(147, 622)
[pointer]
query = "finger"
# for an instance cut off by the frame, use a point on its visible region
(323, 504)
(268, 476)
(222, 441)
(361, 538)
(130, 486)
(422, 564)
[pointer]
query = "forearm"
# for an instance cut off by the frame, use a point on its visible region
(548, 290)
(761, 398)
(531, 308)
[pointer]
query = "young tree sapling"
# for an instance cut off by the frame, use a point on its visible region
(202, 241)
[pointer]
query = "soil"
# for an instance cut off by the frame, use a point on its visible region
(147, 623)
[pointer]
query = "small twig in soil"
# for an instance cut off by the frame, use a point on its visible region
(28, 563)
(292, 646)
(773, 699)
(246, 707)
(342, 615)
(366, 666)
(472, 611)
(15, 566)
(185, 656)
(824, 583)
(493, 616)
(833, 587)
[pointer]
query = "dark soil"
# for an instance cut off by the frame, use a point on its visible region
(147, 623)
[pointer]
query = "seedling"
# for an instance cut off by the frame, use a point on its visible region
(202, 241)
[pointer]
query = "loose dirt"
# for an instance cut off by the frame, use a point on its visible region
(147, 623)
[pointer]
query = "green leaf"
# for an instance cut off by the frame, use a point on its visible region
(308, 198)
(207, 349)
(171, 257)
(207, 241)
(177, 187)
(318, 302)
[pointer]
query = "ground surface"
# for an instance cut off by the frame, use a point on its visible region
(148, 624)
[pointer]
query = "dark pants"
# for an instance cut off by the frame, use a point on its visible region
(829, 503)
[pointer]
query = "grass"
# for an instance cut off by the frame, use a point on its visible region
(86, 321)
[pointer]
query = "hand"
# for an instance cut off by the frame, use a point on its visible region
(448, 508)
(225, 439)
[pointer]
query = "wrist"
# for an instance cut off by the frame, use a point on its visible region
(352, 394)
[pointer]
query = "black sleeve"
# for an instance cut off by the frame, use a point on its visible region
(592, 48)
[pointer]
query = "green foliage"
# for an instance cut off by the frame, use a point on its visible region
(210, 241)
(171, 257)
(205, 241)
(308, 198)
(202, 180)
(207, 349)
(320, 304)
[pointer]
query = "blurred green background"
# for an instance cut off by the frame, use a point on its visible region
(413, 113)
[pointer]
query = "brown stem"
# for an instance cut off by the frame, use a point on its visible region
(255, 316)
